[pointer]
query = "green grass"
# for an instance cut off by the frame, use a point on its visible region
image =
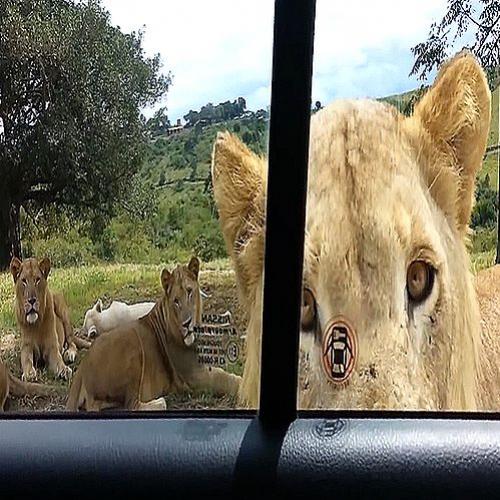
(482, 260)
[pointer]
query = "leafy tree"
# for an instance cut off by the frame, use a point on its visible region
(191, 118)
(215, 114)
(482, 16)
(262, 114)
(247, 137)
(241, 105)
(71, 90)
(162, 178)
(159, 122)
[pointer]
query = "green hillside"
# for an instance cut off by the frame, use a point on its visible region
(185, 158)
(177, 169)
(178, 166)
(182, 161)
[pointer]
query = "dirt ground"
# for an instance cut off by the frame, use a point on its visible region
(221, 288)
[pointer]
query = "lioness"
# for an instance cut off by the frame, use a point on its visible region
(135, 364)
(12, 385)
(390, 317)
(43, 319)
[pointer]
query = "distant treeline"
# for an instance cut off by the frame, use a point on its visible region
(223, 111)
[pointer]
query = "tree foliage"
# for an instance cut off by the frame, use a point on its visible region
(71, 90)
(485, 209)
(159, 122)
(215, 114)
(464, 19)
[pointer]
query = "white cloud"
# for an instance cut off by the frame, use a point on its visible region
(362, 48)
(221, 49)
(215, 50)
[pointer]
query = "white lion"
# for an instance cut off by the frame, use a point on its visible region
(99, 320)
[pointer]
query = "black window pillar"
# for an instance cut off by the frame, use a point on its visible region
(286, 202)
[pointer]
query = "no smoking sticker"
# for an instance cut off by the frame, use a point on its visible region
(339, 351)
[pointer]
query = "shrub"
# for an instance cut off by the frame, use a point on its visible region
(485, 210)
(483, 240)
(70, 249)
(209, 246)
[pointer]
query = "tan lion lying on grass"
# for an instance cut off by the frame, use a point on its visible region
(387, 285)
(135, 364)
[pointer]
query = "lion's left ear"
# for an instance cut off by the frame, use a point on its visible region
(455, 113)
(45, 267)
(194, 266)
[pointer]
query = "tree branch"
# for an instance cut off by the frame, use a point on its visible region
(488, 32)
(479, 25)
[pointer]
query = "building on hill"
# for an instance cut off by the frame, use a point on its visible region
(178, 127)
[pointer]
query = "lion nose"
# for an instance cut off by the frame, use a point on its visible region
(32, 301)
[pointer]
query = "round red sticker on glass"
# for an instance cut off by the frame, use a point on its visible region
(339, 350)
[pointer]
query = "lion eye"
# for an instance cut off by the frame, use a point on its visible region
(308, 312)
(37, 281)
(189, 292)
(419, 280)
(177, 302)
(24, 282)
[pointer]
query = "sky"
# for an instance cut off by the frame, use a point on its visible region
(222, 49)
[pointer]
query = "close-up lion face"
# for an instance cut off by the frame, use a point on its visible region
(382, 257)
(30, 281)
(389, 313)
(183, 299)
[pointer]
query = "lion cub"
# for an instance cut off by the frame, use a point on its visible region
(135, 364)
(43, 320)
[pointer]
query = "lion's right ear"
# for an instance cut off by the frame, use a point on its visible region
(45, 267)
(166, 280)
(15, 267)
(98, 306)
